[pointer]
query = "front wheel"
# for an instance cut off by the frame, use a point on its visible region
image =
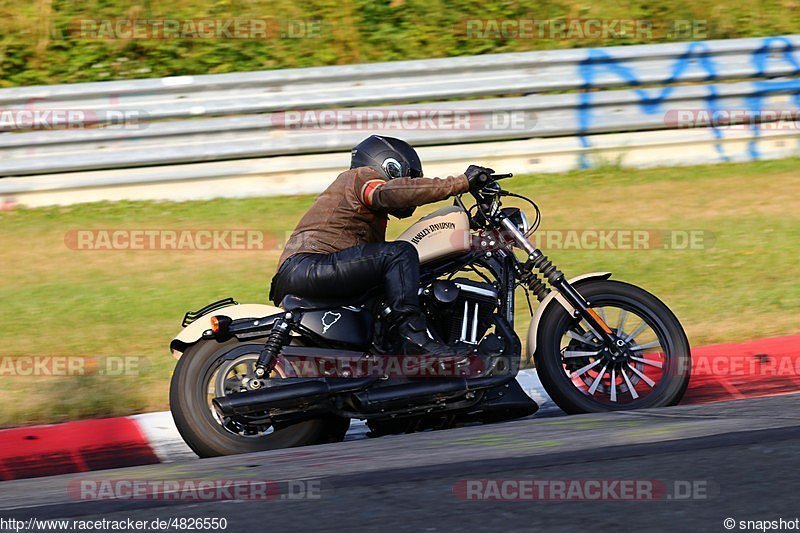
(651, 369)
(207, 370)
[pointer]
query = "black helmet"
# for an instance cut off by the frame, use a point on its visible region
(392, 158)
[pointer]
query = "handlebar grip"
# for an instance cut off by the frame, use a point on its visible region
(496, 177)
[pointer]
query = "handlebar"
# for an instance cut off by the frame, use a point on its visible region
(496, 177)
(480, 195)
(488, 204)
(489, 187)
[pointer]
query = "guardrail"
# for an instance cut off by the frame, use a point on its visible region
(579, 94)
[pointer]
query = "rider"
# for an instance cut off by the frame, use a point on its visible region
(338, 249)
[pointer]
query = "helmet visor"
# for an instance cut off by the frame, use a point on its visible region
(396, 169)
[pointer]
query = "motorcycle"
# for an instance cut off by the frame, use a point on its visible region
(254, 377)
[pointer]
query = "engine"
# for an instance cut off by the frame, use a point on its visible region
(459, 308)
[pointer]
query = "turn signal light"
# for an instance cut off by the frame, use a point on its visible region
(219, 324)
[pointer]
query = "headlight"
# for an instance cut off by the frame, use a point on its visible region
(517, 216)
(523, 225)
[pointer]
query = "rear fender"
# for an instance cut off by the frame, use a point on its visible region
(549, 300)
(194, 331)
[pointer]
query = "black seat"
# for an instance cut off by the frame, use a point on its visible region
(292, 301)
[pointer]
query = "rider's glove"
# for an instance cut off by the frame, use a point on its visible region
(478, 177)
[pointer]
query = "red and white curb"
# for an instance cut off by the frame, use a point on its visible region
(162, 435)
(73, 447)
(721, 372)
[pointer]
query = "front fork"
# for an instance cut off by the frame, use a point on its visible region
(581, 308)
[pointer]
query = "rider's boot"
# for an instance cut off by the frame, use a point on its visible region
(415, 340)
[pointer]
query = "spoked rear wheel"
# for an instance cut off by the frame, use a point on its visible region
(649, 367)
(205, 371)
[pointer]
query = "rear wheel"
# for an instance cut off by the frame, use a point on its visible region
(207, 370)
(650, 367)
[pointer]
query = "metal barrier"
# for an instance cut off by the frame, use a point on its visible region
(572, 94)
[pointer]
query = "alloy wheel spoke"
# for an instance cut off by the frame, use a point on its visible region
(640, 347)
(581, 371)
(632, 335)
(650, 362)
(641, 375)
(613, 384)
(632, 390)
(585, 338)
(579, 353)
(597, 380)
(623, 314)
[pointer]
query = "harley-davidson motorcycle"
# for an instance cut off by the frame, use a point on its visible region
(254, 377)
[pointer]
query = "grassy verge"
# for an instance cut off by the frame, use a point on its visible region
(740, 284)
(61, 41)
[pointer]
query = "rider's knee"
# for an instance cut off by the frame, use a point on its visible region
(403, 249)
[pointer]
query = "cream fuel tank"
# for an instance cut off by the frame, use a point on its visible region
(440, 234)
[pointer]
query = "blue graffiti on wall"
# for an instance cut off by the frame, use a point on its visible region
(696, 63)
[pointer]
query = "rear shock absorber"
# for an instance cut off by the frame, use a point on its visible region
(277, 339)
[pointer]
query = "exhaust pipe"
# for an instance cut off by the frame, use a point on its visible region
(399, 396)
(291, 395)
(394, 396)
(294, 394)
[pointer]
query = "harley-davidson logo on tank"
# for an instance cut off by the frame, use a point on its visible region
(430, 229)
(439, 234)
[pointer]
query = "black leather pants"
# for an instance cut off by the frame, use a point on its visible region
(352, 272)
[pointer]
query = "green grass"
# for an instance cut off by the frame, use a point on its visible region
(59, 301)
(39, 44)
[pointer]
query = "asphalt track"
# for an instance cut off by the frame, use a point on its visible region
(761, 367)
(740, 456)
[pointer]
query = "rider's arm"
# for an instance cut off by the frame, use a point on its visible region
(376, 193)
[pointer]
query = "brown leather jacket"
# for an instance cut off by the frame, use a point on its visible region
(353, 209)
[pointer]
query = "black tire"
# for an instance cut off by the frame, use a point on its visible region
(206, 436)
(550, 364)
